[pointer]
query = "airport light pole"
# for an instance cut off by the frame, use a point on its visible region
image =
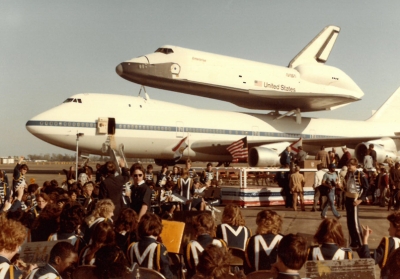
(78, 135)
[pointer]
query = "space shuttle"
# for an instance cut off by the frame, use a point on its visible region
(306, 84)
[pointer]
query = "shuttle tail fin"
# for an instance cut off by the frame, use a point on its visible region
(318, 50)
(389, 111)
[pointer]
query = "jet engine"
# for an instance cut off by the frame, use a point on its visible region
(383, 147)
(266, 155)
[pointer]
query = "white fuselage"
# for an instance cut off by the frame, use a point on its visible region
(151, 129)
(246, 83)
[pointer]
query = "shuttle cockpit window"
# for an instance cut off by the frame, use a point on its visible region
(165, 50)
(69, 100)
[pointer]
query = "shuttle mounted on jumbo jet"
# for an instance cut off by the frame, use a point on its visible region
(167, 132)
(307, 84)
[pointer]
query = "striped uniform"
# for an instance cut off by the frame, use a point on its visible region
(151, 254)
(9, 271)
(45, 272)
(234, 236)
(328, 251)
(262, 251)
(356, 189)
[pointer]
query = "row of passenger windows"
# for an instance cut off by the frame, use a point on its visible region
(68, 124)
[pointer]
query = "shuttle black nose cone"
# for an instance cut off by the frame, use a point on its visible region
(119, 69)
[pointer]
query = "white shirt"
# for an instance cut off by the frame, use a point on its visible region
(318, 176)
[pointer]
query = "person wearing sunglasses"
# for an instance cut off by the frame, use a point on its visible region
(140, 192)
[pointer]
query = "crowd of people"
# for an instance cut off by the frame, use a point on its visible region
(108, 220)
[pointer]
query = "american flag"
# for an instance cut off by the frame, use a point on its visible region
(257, 83)
(238, 149)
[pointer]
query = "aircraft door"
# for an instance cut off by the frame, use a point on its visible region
(180, 129)
(106, 125)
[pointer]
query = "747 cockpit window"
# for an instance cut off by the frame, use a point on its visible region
(165, 50)
(69, 100)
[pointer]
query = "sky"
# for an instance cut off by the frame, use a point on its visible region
(50, 50)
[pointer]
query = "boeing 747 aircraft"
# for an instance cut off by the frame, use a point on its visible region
(307, 84)
(168, 132)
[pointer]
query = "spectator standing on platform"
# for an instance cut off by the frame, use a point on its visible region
(323, 156)
(318, 176)
(112, 186)
(301, 157)
(356, 192)
(297, 182)
(285, 157)
(345, 158)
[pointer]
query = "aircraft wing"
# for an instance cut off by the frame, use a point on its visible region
(211, 147)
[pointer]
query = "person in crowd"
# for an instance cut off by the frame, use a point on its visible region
(73, 195)
(71, 219)
(301, 157)
(111, 263)
(334, 157)
(261, 250)
(148, 252)
(395, 182)
(387, 245)
(297, 182)
(331, 181)
(162, 176)
(167, 201)
(204, 227)
(70, 176)
(103, 234)
(282, 178)
(140, 192)
(382, 183)
(292, 255)
(188, 167)
(149, 175)
(207, 175)
(345, 158)
(5, 189)
(12, 235)
(368, 161)
(214, 263)
(86, 199)
(318, 197)
(330, 239)
(103, 212)
(356, 192)
(62, 262)
(185, 187)
(323, 156)
(125, 228)
(20, 171)
(372, 152)
(197, 200)
(175, 175)
(42, 200)
(98, 174)
(112, 186)
(46, 223)
(232, 228)
(340, 192)
(33, 190)
(285, 157)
